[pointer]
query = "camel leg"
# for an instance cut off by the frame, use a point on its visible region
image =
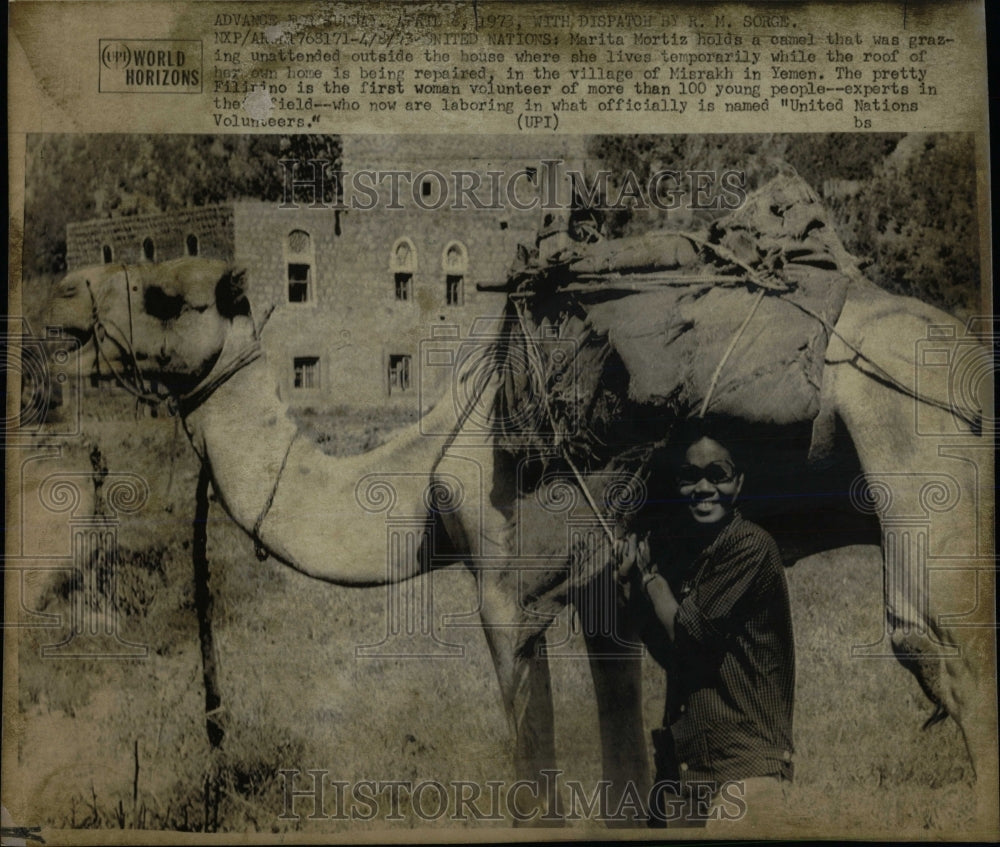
(484, 535)
(938, 594)
(616, 667)
(946, 660)
(516, 645)
(930, 484)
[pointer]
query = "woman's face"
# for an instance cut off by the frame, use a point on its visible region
(708, 481)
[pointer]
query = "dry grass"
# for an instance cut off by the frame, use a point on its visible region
(297, 697)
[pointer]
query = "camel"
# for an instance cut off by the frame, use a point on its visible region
(188, 324)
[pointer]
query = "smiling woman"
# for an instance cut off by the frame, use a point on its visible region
(708, 481)
(716, 616)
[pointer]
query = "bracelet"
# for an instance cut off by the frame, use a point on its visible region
(648, 578)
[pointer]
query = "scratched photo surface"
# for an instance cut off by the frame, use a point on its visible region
(320, 474)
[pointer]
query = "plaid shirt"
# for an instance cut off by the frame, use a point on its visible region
(731, 667)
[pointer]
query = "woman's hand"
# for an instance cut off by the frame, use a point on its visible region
(640, 579)
(632, 556)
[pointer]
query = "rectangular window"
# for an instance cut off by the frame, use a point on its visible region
(404, 283)
(306, 371)
(453, 289)
(299, 282)
(399, 372)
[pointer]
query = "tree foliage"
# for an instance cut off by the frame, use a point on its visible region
(904, 204)
(80, 177)
(916, 221)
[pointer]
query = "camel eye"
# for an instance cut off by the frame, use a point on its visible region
(160, 305)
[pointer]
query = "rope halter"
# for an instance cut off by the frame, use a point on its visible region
(129, 376)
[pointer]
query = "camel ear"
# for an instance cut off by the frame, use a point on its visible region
(230, 293)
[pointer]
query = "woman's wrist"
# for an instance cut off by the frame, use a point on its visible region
(658, 594)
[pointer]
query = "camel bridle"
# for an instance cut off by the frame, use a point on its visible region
(219, 374)
(130, 376)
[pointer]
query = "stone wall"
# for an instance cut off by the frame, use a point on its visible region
(352, 319)
(168, 233)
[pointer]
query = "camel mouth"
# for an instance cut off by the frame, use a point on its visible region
(109, 353)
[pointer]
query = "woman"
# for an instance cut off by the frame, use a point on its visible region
(712, 603)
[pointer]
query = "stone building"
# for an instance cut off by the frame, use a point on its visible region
(354, 294)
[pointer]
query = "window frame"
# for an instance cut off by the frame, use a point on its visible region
(403, 282)
(311, 371)
(300, 258)
(402, 377)
(458, 299)
(407, 267)
(454, 265)
(307, 283)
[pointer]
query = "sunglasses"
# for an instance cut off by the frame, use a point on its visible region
(716, 473)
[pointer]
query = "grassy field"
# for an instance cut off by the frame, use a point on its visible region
(121, 743)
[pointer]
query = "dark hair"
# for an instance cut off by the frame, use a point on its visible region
(729, 432)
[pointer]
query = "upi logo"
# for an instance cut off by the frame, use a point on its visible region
(116, 55)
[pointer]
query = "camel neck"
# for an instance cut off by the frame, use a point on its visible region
(329, 517)
(243, 431)
(230, 363)
(245, 404)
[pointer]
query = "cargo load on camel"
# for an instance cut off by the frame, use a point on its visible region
(665, 325)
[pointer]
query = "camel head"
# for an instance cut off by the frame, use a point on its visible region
(167, 321)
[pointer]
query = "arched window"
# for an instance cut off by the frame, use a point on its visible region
(403, 264)
(299, 241)
(455, 264)
(107, 254)
(191, 242)
(299, 262)
(148, 249)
